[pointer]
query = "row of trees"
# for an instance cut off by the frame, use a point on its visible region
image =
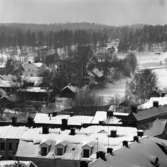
(54, 39)
(70, 70)
(137, 38)
(143, 86)
(131, 37)
(76, 69)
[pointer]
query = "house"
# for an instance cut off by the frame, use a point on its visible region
(149, 151)
(151, 113)
(33, 69)
(8, 83)
(57, 119)
(35, 94)
(100, 117)
(63, 103)
(69, 91)
(92, 146)
(72, 147)
(9, 139)
(154, 102)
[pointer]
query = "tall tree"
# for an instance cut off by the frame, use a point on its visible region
(143, 84)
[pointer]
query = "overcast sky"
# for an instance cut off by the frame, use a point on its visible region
(111, 12)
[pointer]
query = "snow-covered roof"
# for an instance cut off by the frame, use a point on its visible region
(71, 87)
(98, 72)
(7, 81)
(120, 114)
(10, 132)
(5, 163)
(39, 64)
(79, 120)
(36, 89)
(157, 128)
(149, 104)
(74, 120)
(137, 155)
(100, 116)
(45, 118)
(113, 120)
(30, 141)
(35, 80)
(150, 113)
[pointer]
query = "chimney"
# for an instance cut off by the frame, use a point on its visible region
(64, 123)
(14, 120)
(155, 104)
(134, 109)
(45, 129)
(101, 122)
(125, 143)
(54, 114)
(110, 150)
(100, 154)
(140, 133)
(71, 114)
(113, 133)
(72, 131)
(136, 139)
(109, 114)
(30, 121)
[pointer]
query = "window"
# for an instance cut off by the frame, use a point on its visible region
(86, 153)
(10, 147)
(59, 151)
(2, 146)
(43, 151)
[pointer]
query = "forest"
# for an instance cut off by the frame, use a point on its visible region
(133, 37)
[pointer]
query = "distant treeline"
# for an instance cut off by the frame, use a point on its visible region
(138, 38)
(54, 39)
(131, 37)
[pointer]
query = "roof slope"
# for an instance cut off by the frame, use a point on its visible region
(151, 113)
(137, 155)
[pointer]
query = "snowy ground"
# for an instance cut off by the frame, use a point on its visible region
(145, 60)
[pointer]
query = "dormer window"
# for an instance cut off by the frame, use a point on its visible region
(60, 148)
(87, 149)
(86, 153)
(43, 151)
(60, 151)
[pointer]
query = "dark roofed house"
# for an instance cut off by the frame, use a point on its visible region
(35, 94)
(151, 113)
(69, 91)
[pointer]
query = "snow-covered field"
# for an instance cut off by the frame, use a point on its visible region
(157, 62)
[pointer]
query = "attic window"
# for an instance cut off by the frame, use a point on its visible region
(86, 153)
(60, 151)
(44, 151)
